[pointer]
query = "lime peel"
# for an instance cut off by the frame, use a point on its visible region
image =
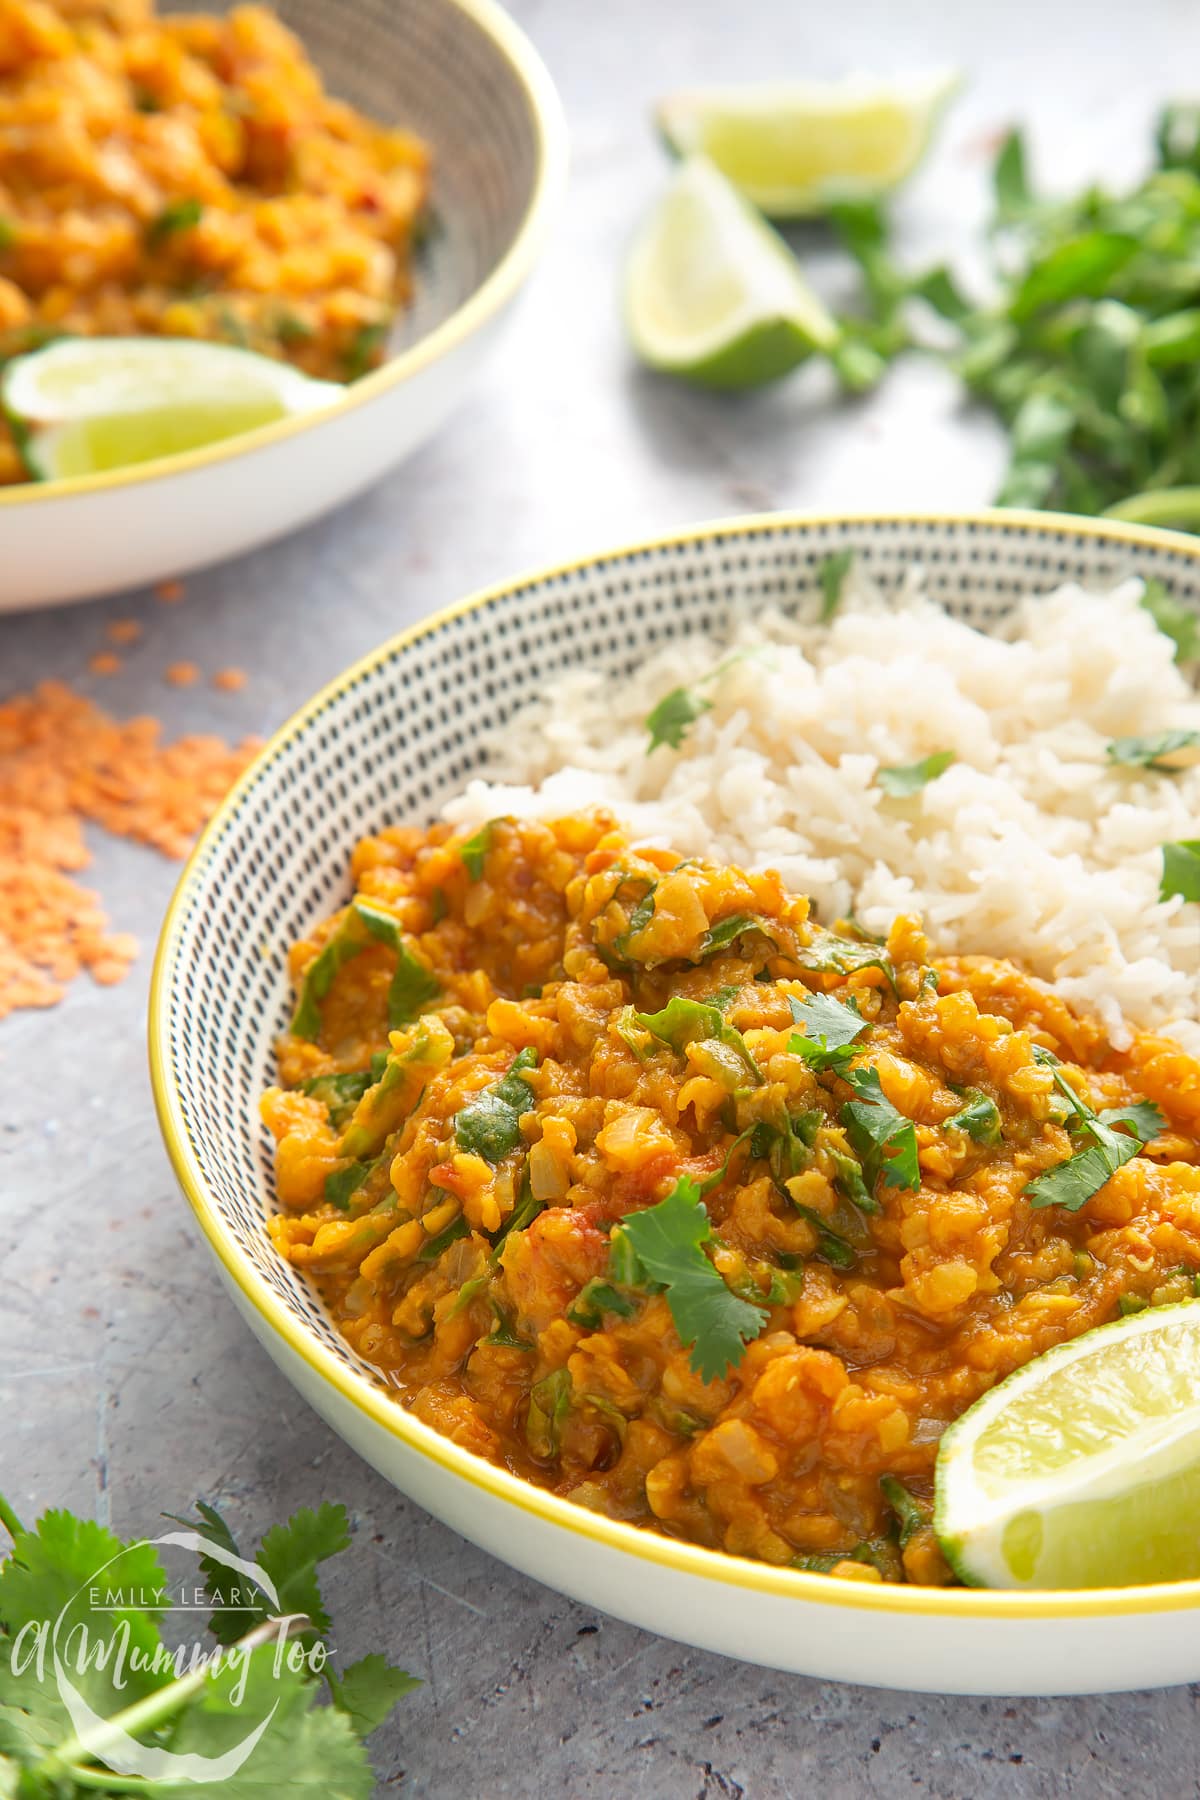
(1082, 1469)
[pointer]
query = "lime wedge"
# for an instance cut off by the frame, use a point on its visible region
(713, 294)
(82, 406)
(1082, 1469)
(796, 148)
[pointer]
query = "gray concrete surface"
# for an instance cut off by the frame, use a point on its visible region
(127, 1385)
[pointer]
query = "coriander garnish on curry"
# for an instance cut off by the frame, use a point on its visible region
(640, 1183)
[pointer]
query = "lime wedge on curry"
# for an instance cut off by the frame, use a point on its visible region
(794, 149)
(83, 406)
(713, 294)
(1083, 1469)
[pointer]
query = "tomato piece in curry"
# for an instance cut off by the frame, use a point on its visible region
(636, 1180)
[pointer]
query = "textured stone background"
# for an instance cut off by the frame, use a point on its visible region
(127, 1385)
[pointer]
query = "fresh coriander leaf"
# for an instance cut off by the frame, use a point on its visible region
(830, 1028)
(668, 722)
(832, 572)
(848, 1180)
(490, 1125)
(666, 1241)
(1143, 1118)
(1181, 870)
(365, 348)
(368, 1690)
(682, 1022)
(904, 779)
(979, 1118)
(911, 1515)
(413, 986)
(1158, 752)
(1177, 136)
(474, 851)
(1010, 181)
(1128, 1304)
(596, 1298)
(290, 1554)
(832, 1248)
(1179, 622)
(639, 918)
(178, 215)
(884, 1139)
(1082, 266)
(1073, 1183)
(939, 290)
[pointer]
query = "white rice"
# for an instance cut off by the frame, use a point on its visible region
(1032, 845)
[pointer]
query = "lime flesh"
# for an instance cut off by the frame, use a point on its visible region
(713, 294)
(84, 406)
(795, 149)
(1083, 1469)
(90, 446)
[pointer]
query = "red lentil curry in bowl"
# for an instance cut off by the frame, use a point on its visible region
(659, 1215)
(637, 1181)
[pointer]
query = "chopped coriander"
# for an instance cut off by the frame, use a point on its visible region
(720, 936)
(596, 1298)
(1181, 870)
(979, 1118)
(904, 779)
(911, 1515)
(830, 954)
(474, 850)
(177, 215)
(364, 923)
(341, 1093)
(365, 349)
(1179, 622)
(430, 1251)
(664, 1242)
(1130, 1304)
(830, 1028)
(291, 329)
(831, 1246)
(883, 1137)
(1161, 751)
(549, 1404)
(668, 722)
(831, 573)
(1073, 1183)
(682, 1022)
(490, 1125)
(342, 1184)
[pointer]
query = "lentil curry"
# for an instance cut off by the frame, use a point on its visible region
(189, 177)
(639, 1182)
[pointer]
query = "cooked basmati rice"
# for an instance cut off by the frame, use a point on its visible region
(1032, 845)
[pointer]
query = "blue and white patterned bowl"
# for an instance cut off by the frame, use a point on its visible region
(388, 742)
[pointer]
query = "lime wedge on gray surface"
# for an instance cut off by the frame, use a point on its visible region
(797, 148)
(713, 294)
(1083, 1469)
(83, 406)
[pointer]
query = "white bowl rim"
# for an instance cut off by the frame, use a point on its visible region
(488, 299)
(384, 1410)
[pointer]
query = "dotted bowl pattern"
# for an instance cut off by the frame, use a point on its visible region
(402, 733)
(430, 67)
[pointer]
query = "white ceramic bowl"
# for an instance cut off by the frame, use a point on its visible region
(461, 75)
(387, 742)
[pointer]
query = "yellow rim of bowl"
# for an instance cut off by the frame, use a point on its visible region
(489, 298)
(384, 1410)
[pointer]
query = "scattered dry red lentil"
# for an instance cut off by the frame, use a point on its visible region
(123, 631)
(169, 592)
(64, 761)
(230, 681)
(182, 674)
(104, 663)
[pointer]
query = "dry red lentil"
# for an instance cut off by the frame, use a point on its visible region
(62, 762)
